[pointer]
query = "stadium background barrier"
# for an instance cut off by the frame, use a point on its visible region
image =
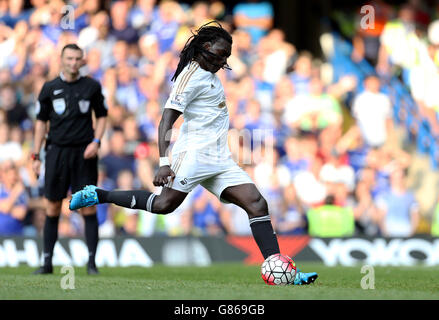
(203, 251)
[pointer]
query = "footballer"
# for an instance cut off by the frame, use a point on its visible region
(201, 154)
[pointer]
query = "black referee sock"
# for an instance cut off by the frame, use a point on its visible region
(91, 236)
(133, 199)
(264, 235)
(49, 237)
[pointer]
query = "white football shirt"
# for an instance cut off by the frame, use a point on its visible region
(199, 95)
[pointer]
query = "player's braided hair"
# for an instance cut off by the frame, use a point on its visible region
(194, 45)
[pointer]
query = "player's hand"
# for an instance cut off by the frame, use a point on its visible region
(36, 165)
(162, 176)
(91, 151)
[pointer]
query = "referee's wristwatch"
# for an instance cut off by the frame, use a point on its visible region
(98, 141)
(35, 156)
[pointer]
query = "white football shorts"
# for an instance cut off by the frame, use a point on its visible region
(192, 168)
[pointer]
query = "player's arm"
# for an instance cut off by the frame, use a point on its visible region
(166, 123)
(39, 136)
(101, 113)
(101, 123)
(42, 111)
(184, 91)
(93, 147)
(165, 129)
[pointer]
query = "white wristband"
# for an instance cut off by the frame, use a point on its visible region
(164, 161)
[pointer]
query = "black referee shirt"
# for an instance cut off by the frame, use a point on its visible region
(68, 105)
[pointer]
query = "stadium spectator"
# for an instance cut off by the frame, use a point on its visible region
(93, 66)
(397, 39)
(277, 55)
(301, 74)
(9, 150)
(165, 26)
(120, 27)
(310, 190)
(149, 50)
(292, 220)
(365, 211)
(132, 46)
(235, 220)
(339, 177)
(242, 46)
(205, 213)
(117, 159)
(142, 14)
(330, 220)
(83, 13)
(199, 14)
(315, 111)
(15, 13)
(126, 92)
(398, 208)
(97, 36)
(255, 17)
(13, 200)
(366, 41)
(16, 114)
(145, 159)
(148, 121)
(294, 159)
(373, 113)
(132, 134)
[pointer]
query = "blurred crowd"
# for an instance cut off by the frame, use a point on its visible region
(323, 153)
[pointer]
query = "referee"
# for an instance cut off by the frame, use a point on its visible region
(71, 147)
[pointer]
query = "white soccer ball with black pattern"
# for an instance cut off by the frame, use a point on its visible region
(278, 269)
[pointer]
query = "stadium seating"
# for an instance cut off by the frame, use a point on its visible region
(405, 110)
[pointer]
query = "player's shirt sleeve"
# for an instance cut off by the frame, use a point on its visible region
(43, 105)
(185, 89)
(98, 102)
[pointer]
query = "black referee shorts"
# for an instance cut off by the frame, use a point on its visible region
(66, 167)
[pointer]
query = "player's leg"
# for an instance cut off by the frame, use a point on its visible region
(166, 202)
(50, 235)
(248, 197)
(85, 172)
(91, 236)
(56, 184)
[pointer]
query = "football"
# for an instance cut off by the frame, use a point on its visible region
(278, 269)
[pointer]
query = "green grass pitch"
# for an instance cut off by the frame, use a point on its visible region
(218, 282)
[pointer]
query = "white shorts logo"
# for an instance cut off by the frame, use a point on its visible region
(59, 105)
(84, 105)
